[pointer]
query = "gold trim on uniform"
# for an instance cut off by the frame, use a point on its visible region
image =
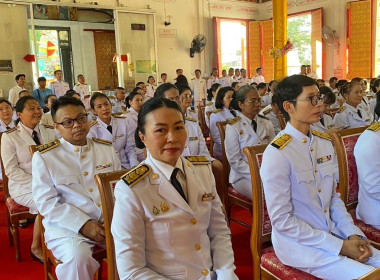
(197, 159)
(208, 196)
(136, 174)
(217, 111)
(48, 126)
(267, 111)
(93, 123)
(210, 103)
(375, 127)
(263, 117)
(190, 119)
(156, 211)
(321, 134)
(102, 141)
(234, 120)
(119, 117)
(164, 207)
(11, 130)
(48, 146)
(341, 110)
(281, 141)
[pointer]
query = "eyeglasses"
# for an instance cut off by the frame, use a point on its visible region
(313, 99)
(254, 101)
(69, 123)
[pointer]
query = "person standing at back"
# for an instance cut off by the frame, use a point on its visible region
(14, 92)
(41, 92)
(198, 87)
(59, 87)
(84, 90)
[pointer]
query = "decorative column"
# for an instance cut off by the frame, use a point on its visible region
(280, 36)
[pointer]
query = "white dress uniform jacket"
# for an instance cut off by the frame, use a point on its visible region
(258, 79)
(268, 112)
(266, 99)
(348, 116)
(225, 81)
(328, 123)
(118, 107)
(195, 143)
(192, 113)
(210, 107)
(120, 138)
(47, 119)
(14, 95)
(212, 80)
(199, 89)
(368, 167)
(309, 220)
(132, 116)
(3, 128)
(219, 115)
(17, 159)
(171, 239)
(245, 81)
(83, 90)
(59, 88)
(150, 90)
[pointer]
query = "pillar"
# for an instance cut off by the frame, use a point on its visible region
(280, 36)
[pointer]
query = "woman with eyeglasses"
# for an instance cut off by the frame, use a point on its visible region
(167, 221)
(222, 113)
(247, 129)
(114, 129)
(17, 160)
(210, 105)
(325, 123)
(351, 114)
(195, 143)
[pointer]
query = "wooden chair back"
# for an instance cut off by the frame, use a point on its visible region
(226, 165)
(261, 226)
(282, 121)
(211, 141)
(221, 188)
(373, 275)
(202, 121)
(106, 183)
(344, 142)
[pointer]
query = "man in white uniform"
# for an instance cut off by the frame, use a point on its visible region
(198, 87)
(244, 79)
(65, 192)
(118, 103)
(213, 79)
(59, 87)
(83, 89)
(14, 92)
(259, 78)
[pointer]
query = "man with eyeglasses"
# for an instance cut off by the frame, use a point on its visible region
(65, 192)
(311, 228)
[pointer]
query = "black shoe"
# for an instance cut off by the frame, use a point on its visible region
(34, 257)
(30, 221)
(23, 224)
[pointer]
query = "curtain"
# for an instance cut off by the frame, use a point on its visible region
(217, 63)
(316, 30)
(254, 46)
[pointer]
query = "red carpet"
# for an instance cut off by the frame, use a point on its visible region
(28, 269)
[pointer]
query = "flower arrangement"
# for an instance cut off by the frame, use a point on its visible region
(276, 53)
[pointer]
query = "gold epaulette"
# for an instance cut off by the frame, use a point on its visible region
(136, 174)
(375, 127)
(210, 103)
(217, 111)
(281, 141)
(197, 159)
(267, 111)
(78, 84)
(263, 117)
(48, 146)
(119, 116)
(11, 130)
(321, 134)
(93, 123)
(190, 119)
(192, 111)
(234, 120)
(48, 126)
(102, 141)
(341, 110)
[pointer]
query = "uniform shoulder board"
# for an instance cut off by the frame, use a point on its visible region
(48, 126)
(119, 116)
(93, 123)
(53, 82)
(193, 79)
(102, 141)
(191, 110)
(375, 127)
(217, 111)
(136, 174)
(267, 111)
(11, 130)
(48, 146)
(190, 119)
(209, 104)
(341, 110)
(234, 120)
(197, 159)
(263, 117)
(281, 141)
(321, 134)
(78, 84)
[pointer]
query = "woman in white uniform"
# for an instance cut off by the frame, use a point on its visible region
(167, 221)
(210, 105)
(17, 160)
(114, 129)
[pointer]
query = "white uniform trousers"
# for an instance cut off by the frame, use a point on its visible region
(345, 268)
(27, 201)
(75, 253)
(244, 187)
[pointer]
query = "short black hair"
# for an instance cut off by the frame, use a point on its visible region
(41, 79)
(221, 94)
(177, 70)
(258, 69)
(121, 88)
(3, 100)
(131, 96)
(24, 90)
(212, 89)
(290, 88)
(95, 96)
(20, 104)
(234, 84)
(70, 93)
(241, 95)
(329, 97)
(46, 99)
(160, 91)
(261, 85)
(80, 75)
(164, 74)
(63, 102)
(18, 76)
(181, 80)
(139, 83)
(376, 83)
(198, 70)
(183, 88)
(151, 77)
(56, 71)
(332, 79)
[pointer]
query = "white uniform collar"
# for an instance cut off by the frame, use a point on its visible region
(29, 130)
(103, 123)
(131, 110)
(74, 148)
(165, 168)
(351, 108)
(298, 135)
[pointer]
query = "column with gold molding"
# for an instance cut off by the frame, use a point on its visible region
(280, 36)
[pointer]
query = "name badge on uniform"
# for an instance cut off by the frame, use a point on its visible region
(104, 166)
(208, 196)
(323, 159)
(193, 138)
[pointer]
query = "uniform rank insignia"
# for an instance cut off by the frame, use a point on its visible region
(263, 117)
(197, 159)
(282, 141)
(267, 111)
(119, 116)
(156, 211)
(136, 174)
(48, 146)
(375, 127)
(193, 138)
(341, 110)
(321, 134)
(209, 104)
(164, 207)
(104, 166)
(234, 120)
(208, 196)
(93, 123)
(217, 111)
(241, 132)
(102, 141)
(190, 119)
(11, 130)
(48, 126)
(323, 159)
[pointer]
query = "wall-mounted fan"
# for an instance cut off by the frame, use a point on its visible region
(198, 44)
(330, 36)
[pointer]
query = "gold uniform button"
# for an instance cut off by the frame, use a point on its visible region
(98, 204)
(319, 189)
(188, 164)
(304, 140)
(311, 149)
(315, 170)
(76, 150)
(193, 221)
(85, 173)
(205, 272)
(83, 156)
(197, 247)
(86, 149)
(90, 189)
(325, 210)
